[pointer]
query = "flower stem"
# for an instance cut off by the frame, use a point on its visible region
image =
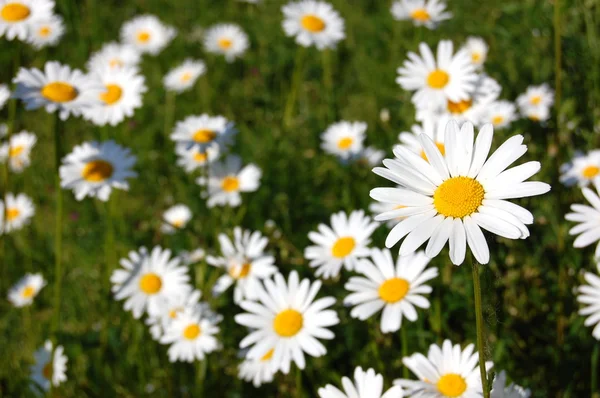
(328, 84)
(480, 327)
(595, 371)
(298, 382)
(58, 225)
(169, 110)
(296, 79)
(404, 339)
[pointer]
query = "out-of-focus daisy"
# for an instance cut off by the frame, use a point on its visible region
(147, 279)
(24, 291)
(501, 390)
(536, 113)
(15, 213)
(478, 50)
(228, 179)
(381, 207)
(4, 95)
(184, 76)
(204, 132)
(428, 13)
(589, 296)
(46, 32)
(437, 80)
(57, 88)
(147, 34)
(371, 156)
(344, 139)
(447, 371)
(170, 308)
(499, 113)
(194, 158)
(114, 55)
(191, 335)
(367, 385)
(122, 95)
(582, 170)
(18, 16)
(50, 368)
(313, 23)
(192, 257)
(536, 97)
(433, 126)
(452, 197)
(175, 218)
(588, 218)
(228, 40)
(245, 261)
(258, 371)
(397, 290)
(18, 150)
(287, 319)
(94, 168)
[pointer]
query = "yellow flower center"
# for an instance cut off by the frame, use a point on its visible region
(48, 370)
(12, 213)
(458, 197)
(536, 100)
(97, 171)
(240, 271)
(343, 247)
(191, 332)
(186, 77)
(590, 172)
(312, 23)
(288, 323)
(534, 118)
(345, 143)
(15, 12)
(200, 157)
(230, 184)
(113, 94)
(28, 292)
(16, 151)
(440, 146)
(150, 283)
(268, 355)
(459, 107)
(438, 79)
(44, 31)
(475, 57)
(177, 223)
(115, 63)
(143, 37)
(496, 120)
(420, 14)
(203, 136)
(452, 385)
(59, 92)
(224, 43)
(393, 290)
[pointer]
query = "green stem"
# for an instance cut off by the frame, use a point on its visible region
(296, 79)
(328, 84)
(58, 227)
(201, 376)
(480, 327)
(595, 370)
(169, 110)
(298, 382)
(404, 340)
(557, 56)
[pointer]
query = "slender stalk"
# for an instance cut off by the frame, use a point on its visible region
(595, 371)
(404, 340)
(293, 93)
(58, 226)
(298, 382)
(201, 376)
(169, 110)
(480, 327)
(328, 83)
(557, 56)
(109, 240)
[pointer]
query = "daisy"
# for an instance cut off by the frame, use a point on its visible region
(313, 23)
(94, 168)
(428, 13)
(24, 291)
(286, 318)
(114, 55)
(381, 207)
(204, 132)
(46, 32)
(18, 16)
(228, 40)
(501, 390)
(57, 88)
(433, 126)
(396, 290)
(50, 366)
(344, 243)
(15, 213)
(447, 371)
(194, 158)
(191, 336)
(452, 197)
(536, 97)
(147, 279)
(371, 156)
(193, 257)
(170, 308)
(368, 385)
(344, 139)
(147, 34)
(499, 113)
(537, 113)
(175, 218)
(588, 228)
(4, 95)
(228, 179)
(478, 50)
(589, 296)
(184, 76)
(435, 82)
(245, 261)
(17, 152)
(582, 170)
(258, 371)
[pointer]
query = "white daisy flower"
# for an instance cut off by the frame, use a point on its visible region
(122, 95)
(395, 289)
(452, 197)
(228, 40)
(175, 218)
(228, 179)
(46, 32)
(447, 371)
(501, 390)
(428, 13)
(18, 151)
(147, 34)
(192, 257)
(499, 113)
(433, 126)
(15, 213)
(344, 139)
(170, 308)
(114, 55)
(184, 76)
(313, 23)
(4, 95)
(17, 16)
(583, 169)
(536, 97)
(368, 385)
(258, 371)
(204, 132)
(286, 318)
(371, 156)
(536, 114)
(191, 335)
(147, 279)
(478, 49)
(344, 243)
(588, 218)
(50, 367)
(589, 296)
(381, 207)
(437, 81)
(245, 261)
(94, 168)
(57, 88)
(24, 291)
(194, 158)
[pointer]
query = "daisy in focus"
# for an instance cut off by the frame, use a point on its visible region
(535, 103)
(15, 213)
(341, 244)
(184, 76)
(228, 40)
(313, 23)
(287, 319)
(50, 368)
(452, 197)
(589, 296)
(501, 390)
(17, 152)
(499, 113)
(587, 217)
(191, 159)
(582, 170)
(446, 371)
(258, 371)
(428, 13)
(367, 385)
(169, 309)
(204, 132)
(395, 289)
(46, 32)
(228, 180)
(175, 218)
(17, 17)
(147, 34)
(4, 95)
(478, 49)
(147, 279)
(114, 55)
(344, 139)
(26, 289)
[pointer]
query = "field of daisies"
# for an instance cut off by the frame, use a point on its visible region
(300, 198)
